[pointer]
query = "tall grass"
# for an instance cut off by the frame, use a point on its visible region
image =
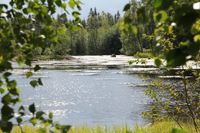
(147, 53)
(160, 127)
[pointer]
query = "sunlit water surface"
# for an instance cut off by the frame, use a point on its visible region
(105, 97)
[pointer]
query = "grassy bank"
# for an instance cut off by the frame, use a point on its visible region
(161, 127)
(147, 53)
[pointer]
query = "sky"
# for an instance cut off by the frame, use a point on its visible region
(111, 6)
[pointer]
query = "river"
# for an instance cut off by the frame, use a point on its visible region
(88, 97)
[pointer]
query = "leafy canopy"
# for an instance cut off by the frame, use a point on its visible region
(25, 25)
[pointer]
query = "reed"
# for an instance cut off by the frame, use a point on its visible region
(159, 127)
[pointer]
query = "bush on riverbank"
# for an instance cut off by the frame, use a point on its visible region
(176, 100)
(160, 127)
(145, 54)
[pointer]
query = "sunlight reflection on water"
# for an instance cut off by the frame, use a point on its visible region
(88, 97)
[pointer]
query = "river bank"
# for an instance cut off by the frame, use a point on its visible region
(92, 62)
(164, 127)
(138, 66)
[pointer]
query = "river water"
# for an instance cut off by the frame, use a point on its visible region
(88, 97)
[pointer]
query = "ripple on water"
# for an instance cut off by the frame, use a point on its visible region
(85, 74)
(56, 103)
(99, 96)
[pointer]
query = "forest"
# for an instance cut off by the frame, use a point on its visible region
(100, 34)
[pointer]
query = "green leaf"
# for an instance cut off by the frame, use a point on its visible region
(34, 83)
(75, 28)
(36, 68)
(19, 120)
(45, 10)
(39, 114)
(27, 10)
(59, 3)
(184, 44)
(6, 99)
(176, 57)
(28, 62)
(175, 130)
(12, 84)
(33, 121)
(76, 14)
(4, 6)
(160, 16)
(20, 60)
(65, 128)
(40, 82)
(64, 6)
(32, 108)
(21, 111)
(7, 74)
(197, 38)
(158, 62)
(71, 4)
(62, 30)
(46, 123)
(29, 74)
(162, 4)
(19, 4)
(50, 115)
(7, 113)
(157, 3)
(6, 126)
(141, 15)
(14, 91)
(134, 29)
(127, 7)
(1, 83)
(15, 100)
(2, 90)
(127, 20)
(195, 27)
(79, 7)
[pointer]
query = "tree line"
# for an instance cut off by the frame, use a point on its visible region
(102, 33)
(99, 34)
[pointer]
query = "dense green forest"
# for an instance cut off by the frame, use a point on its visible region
(99, 34)
(102, 34)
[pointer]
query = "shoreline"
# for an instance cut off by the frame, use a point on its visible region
(89, 62)
(105, 62)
